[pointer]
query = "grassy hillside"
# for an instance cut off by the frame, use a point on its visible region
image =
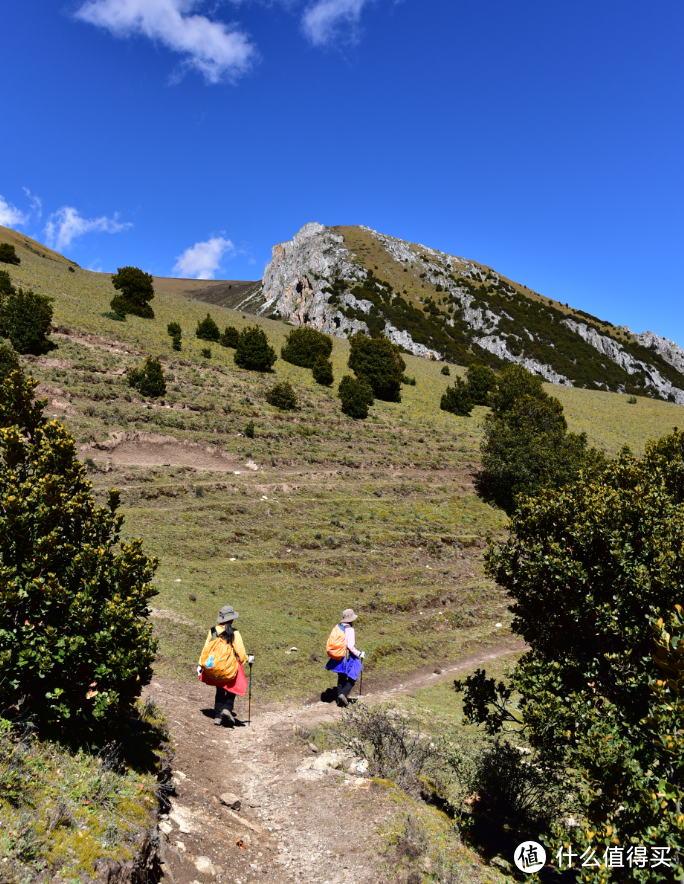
(380, 516)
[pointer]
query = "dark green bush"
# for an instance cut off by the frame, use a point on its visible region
(405, 379)
(253, 351)
(116, 317)
(282, 396)
(8, 254)
(149, 379)
(136, 290)
(323, 371)
(6, 287)
(230, 337)
(175, 331)
(8, 359)
(76, 647)
(356, 396)
(206, 352)
(249, 429)
(379, 364)
(514, 382)
(457, 399)
(303, 346)
(482, 381)
(207, 330)
(445, 370)
(25, 319)
(71, 269)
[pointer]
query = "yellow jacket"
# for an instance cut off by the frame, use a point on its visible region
(238, 644)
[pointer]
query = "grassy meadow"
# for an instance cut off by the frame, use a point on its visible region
(378, 515)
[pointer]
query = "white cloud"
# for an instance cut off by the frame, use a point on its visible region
(323, 21)
(218, 50)
(64, 225)
(202, 260)
(36, 202)
(10, 216)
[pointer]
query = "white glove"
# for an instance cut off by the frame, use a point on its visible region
(250, 659)
(199, 671)
(362, 655)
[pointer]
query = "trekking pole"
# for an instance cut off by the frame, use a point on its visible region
(249, 712)
(363, 657)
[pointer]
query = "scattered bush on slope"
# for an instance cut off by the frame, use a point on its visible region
(136, 290)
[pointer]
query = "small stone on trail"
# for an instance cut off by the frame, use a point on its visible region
(313, 748)
(231, 801)
(437, 670)
(204, 865)
(193, 598)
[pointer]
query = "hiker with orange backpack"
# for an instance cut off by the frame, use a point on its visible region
(221, 665)
(345, 658)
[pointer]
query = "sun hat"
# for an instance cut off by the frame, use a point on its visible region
(348, 616)
(227, 614)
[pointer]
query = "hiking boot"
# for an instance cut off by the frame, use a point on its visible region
(218, 722)
(227, 718)
(342, 700)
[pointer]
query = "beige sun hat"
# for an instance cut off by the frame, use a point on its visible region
(348, 616)
(227, 614)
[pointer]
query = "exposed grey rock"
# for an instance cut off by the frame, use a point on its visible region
(231, 800)
(670, 351)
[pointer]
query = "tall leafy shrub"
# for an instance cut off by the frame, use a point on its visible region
(76, 646)
(253, 351)
(148, 379)
(25, 319)
(323, 371)
(137, 290)
(175, 332)
(207, 330)
(457, 399)
(596, 571)
(482, 381)
(356, 397)
(230, 337)
(378, 362)
(303, 346)
(8, 254)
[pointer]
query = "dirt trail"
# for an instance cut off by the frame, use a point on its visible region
(300, 820)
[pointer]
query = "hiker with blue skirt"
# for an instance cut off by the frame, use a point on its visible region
(345, 657)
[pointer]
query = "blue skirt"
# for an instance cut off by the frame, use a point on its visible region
(349, 666)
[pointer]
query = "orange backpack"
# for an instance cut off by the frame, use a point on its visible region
(218, 661)
(337, 643)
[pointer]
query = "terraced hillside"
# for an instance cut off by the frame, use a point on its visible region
(345, 279)
(315, 513)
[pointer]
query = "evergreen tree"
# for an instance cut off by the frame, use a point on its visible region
(253, 351)
(8, 254)
(137, 290)
(175, 332)
(481, 382)
(457, 399)
(379, 364)
(230, 337)
(356, 396)
(8, 359)
(207, 330)
(323, 371)
(25, 319)
(303, 346)
(282, 396)
(6, 287)
(149, 379)
(76, 647)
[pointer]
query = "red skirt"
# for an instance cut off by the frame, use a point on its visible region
(237, 685)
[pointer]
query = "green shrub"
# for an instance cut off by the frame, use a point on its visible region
(206, 352)
(323, 371)
(207, 330)
(75, 643)
(25, 319)
(457, 399)
(253, 351)
(175, 332)
(71, 269)
(632, 400)
(379, 364)
(303, 346)
(8, 254)
(482, 381)
(136, 290)
(445, 370)
(8, 359)
(282, 396)
(405, 379)
(6, 287)
(514, 382)
(149, 379)
(116, 317)
(230, 337)
(249, 430)
(356, 396)
(595, 571)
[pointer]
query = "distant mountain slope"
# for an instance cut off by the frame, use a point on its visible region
(220, 292)
(25, 244)
(345, 279)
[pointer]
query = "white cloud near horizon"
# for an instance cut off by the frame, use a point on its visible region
(66, 224)
(10, 216)
(323, 21)
(202, 260)
(217, 50)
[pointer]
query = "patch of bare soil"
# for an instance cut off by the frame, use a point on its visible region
(298, 818)
(94, 341)
(154, 449)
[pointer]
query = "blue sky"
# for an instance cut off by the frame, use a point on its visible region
(189, 136)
